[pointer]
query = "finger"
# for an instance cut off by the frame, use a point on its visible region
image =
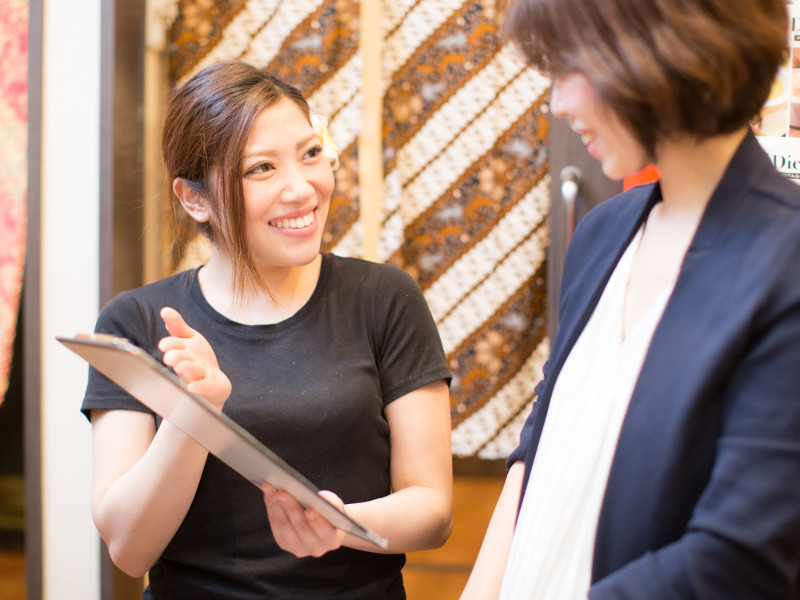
(175, 324)
(332, 498)
(282, 529)
(174, 351)
(298, 533)
(294, 511)
(189, 371)
(170, 343)
(316, 535)
(329, 536)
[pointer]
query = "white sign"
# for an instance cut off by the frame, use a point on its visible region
(778, 128)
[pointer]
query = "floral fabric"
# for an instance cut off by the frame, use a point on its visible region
(13, 170)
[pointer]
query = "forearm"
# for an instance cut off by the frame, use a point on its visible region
(411, 519)
(487, 574)
(140, 512)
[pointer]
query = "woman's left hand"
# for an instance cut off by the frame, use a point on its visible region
(301, 531)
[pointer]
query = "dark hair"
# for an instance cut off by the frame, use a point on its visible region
(206, 127)
(665, 67)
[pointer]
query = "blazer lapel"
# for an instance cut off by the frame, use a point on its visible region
(597, 250)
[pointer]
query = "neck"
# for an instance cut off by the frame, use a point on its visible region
(291, 287)
(691, 169)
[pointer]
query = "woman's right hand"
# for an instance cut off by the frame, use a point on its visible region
(144, 480)
(193, 360)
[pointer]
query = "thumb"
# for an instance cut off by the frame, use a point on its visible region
(332, 498)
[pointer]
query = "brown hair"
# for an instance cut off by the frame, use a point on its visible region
(665, 67)
(206, 127)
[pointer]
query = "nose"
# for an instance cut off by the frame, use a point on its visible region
(296, 185)
(557, 107)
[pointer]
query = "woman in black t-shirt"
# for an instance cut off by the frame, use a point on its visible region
(335, 363)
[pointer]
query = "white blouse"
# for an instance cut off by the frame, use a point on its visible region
(552, 548)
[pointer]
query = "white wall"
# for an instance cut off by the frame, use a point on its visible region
(69, 288)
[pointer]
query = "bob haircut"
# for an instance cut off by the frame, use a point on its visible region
(664, 67)
(207, 124)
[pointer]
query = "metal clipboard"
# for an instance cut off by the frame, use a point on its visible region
(158, 388)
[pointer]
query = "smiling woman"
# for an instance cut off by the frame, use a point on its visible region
(295, 345)
(286, 185)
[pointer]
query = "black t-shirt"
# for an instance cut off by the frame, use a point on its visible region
(313, 389)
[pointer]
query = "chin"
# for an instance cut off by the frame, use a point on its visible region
(613, 173)
(306, 257)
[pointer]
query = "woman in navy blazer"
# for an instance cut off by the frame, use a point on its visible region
(701, 496)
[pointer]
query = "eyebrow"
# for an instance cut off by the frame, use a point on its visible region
(298, 145)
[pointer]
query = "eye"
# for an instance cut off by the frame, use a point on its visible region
(314, 151)
(264, 167)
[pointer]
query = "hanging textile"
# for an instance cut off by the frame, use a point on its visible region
(13, 170)
(465, 203)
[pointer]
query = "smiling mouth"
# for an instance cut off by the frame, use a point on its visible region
(297, 223)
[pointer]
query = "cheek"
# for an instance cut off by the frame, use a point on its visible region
(258, 196)
(326, 183)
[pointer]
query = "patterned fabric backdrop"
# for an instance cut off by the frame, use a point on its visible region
(13, 170)
(465, 202)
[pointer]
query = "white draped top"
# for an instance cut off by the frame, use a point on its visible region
(552, 548)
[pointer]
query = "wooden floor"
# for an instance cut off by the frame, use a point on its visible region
(439, 574)
(12, 522)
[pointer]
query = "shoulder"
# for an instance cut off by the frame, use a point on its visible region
(763, 219)
(364, 274)
(150, 293)
(379, 292)
(777, 199)
(137, 309)
(761, 205)
(753, 164)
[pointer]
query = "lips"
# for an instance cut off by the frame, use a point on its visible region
(294, 222)
(587, 138)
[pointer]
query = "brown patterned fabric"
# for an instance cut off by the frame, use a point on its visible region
(465, 201)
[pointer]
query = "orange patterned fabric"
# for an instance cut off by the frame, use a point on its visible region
(465, 201)
(13, 170)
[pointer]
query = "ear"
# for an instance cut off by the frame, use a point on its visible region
(192, 202)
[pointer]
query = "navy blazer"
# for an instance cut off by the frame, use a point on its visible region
(703, 497)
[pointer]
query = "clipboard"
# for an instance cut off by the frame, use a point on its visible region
(158, 388)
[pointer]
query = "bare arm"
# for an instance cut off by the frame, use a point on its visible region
(144, 481)
(417, 515)
(487, 574)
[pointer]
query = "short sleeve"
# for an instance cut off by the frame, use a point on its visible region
(122, 317)
(409, 349)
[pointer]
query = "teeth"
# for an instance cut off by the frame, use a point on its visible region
(295, 223)
(586, 138)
